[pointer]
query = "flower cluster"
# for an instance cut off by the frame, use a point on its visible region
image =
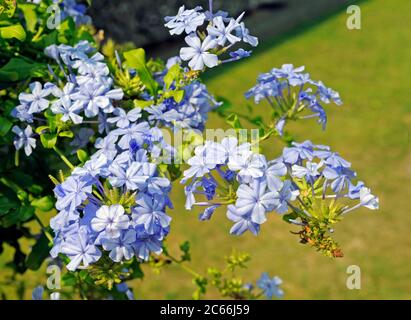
(209, 35)
(77, 11)
(302, 181)
(190, 113)
(87, 93)
(290, 92)
(115, 203)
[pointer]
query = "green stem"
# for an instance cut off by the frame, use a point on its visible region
(183, 266)
(63, 157)
(44, 229)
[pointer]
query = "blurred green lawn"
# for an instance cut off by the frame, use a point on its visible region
(371, 68)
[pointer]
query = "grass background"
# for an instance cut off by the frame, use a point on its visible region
(371, 68)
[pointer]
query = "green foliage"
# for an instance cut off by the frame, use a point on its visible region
(137, 59)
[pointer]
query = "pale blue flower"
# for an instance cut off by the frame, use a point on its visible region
(120, 248)
(36, 100)
(197, 52)
(96, 96)
(240, 54)
(135, 132)
(111, 220)
(129, 176)
(107, 146)
(81, 252)
(244, 34)
(68, 110)
(270, 286)
(24, 139)
(222, 33)
(242, 223)
(147, 243)
(310, 171)
(123, 118)
(282, 197)
(150, 212)
(72, 192)
(368, 200)
(185, 21)
(147, 179)
(255, 199)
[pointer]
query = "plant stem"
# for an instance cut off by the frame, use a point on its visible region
(43, 228)
(63, 157)
(183, 266)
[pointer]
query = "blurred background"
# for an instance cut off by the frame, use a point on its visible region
(371, 68)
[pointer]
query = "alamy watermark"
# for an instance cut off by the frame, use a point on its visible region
(353, 281)
(354, 18)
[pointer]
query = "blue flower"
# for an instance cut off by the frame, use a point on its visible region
(123, 119)
(298, 152)
(248, 165)
(36, 100)
(185, 21)
(282, 197)
(150, 212)
(135, 132)
(68, 110)
(147, 179)
(72, 192)
(240, 54)
(96, 96)
(354, 190)
(327, 94)
(368, 200)
(107, 146)
(273, 173)
(310, 171)
(197, 52)
(223, 33)
(270, 286)
(340, 177)
(147, 243)
(37, 293)
(24, 139)
(244, 33)
(122, 247)
(208, 212)
(111, 220)
(129, 176)
(242, 223)
(255, 199)
(80, 251)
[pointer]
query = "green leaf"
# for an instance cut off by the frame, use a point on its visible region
(16, 216)
(185, 248)
(29, 12)
(137, 273)
(48, 140)
(234, 122)
(18, 69)
(5, 126)
(82, 155)
(67, 134)
(6, 204)
(40, 129)
(15, 31)
(7, 8)
(143, 103)
(44, 204)
(38, 254)
(136, 59)
(172, 75)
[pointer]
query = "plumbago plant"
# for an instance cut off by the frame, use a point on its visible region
(97, 119)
